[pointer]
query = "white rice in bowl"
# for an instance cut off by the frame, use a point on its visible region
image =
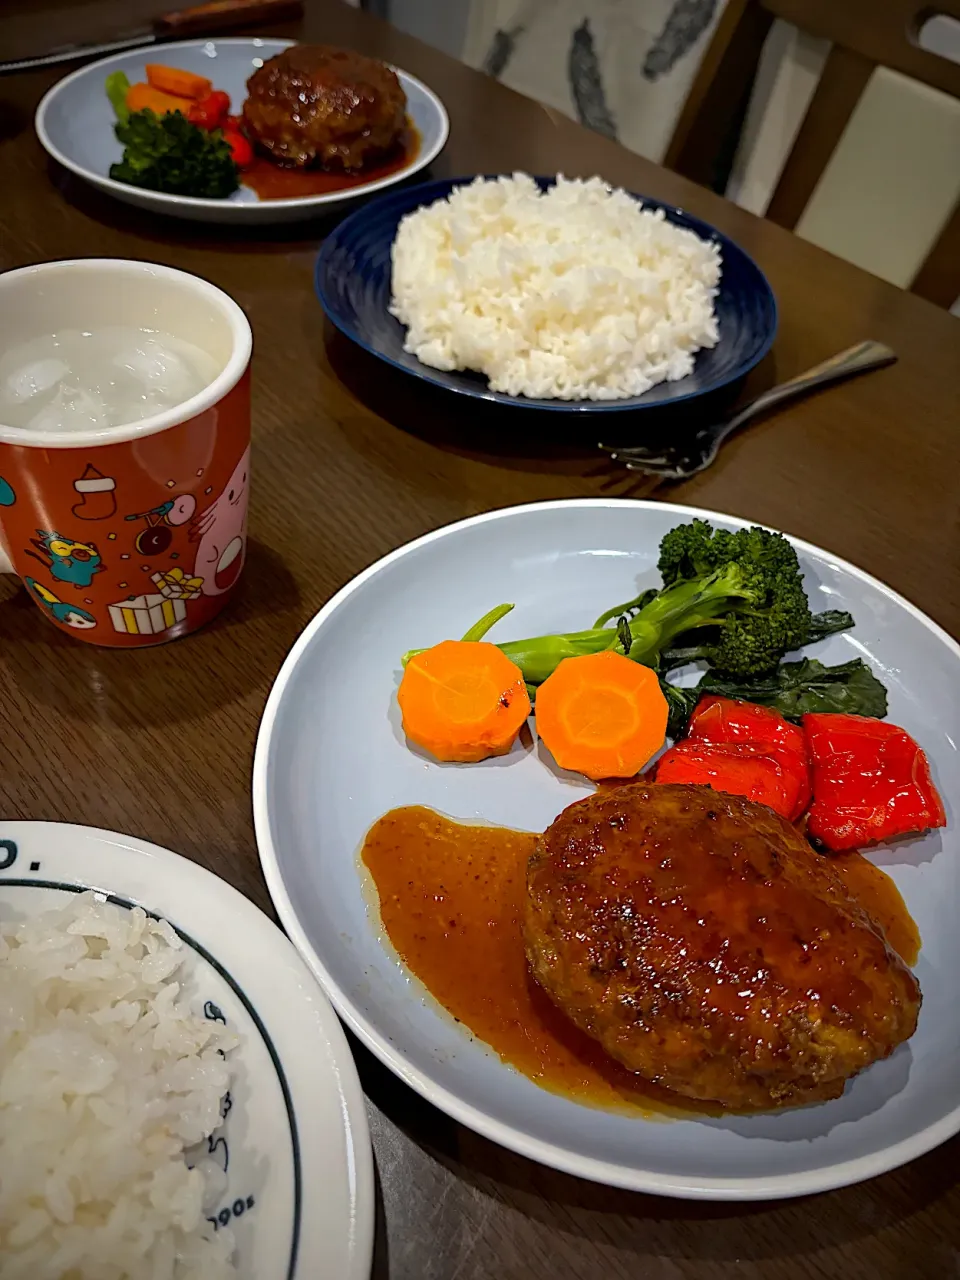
(576, 293)
(106, 1079)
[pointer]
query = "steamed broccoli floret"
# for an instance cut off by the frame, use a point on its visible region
(821, 626)
(695, 549)
(691, 550)
(711, 600)
(752, 636)
(169, 153)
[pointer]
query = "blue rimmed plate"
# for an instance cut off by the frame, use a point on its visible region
(294, 1142)
(74, 123)
(353, 285)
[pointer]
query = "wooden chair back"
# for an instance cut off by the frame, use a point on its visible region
(865, 34)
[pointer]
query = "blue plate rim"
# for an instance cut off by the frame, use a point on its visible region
(440, 187)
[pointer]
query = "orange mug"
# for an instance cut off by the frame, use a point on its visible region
(134, 534)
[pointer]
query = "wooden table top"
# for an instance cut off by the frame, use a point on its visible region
(349, 462)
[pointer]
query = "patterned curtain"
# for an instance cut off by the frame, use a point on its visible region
(621, 67)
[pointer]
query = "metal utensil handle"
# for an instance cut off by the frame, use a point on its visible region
(220, 15)
(859, 359)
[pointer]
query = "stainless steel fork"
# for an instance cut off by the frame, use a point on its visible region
(697, 452)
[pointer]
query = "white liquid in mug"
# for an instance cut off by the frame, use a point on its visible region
(77, 380)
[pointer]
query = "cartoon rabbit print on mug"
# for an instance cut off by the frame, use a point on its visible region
(221, 531)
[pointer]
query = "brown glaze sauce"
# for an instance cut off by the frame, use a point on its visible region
(277, 182)
(880, 898)
(450, 899)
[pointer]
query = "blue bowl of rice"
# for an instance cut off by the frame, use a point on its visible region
(546, 293)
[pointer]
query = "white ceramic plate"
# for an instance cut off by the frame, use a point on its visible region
(74, 123)
(294, 1142)
(331, 759)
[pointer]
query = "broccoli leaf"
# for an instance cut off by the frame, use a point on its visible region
(796, 688)
(681, 703)
(828, 623)
(624, 634)
(117, 85)
(168, 153)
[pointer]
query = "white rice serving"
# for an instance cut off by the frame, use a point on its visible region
(575, 293)
(106, 1079)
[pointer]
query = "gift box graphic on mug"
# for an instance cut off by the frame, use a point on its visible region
(146, 615)
(174, 584)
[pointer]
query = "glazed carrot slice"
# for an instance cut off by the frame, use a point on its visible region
(602, 715)
(182, 84)
(463, 700)
(141, 97)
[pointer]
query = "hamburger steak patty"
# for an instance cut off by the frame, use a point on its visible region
(316, 105)
(708, 948)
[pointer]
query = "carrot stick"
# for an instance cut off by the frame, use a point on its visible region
(142, 97)
(182, 84)
(463, 700)
(602, 715)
